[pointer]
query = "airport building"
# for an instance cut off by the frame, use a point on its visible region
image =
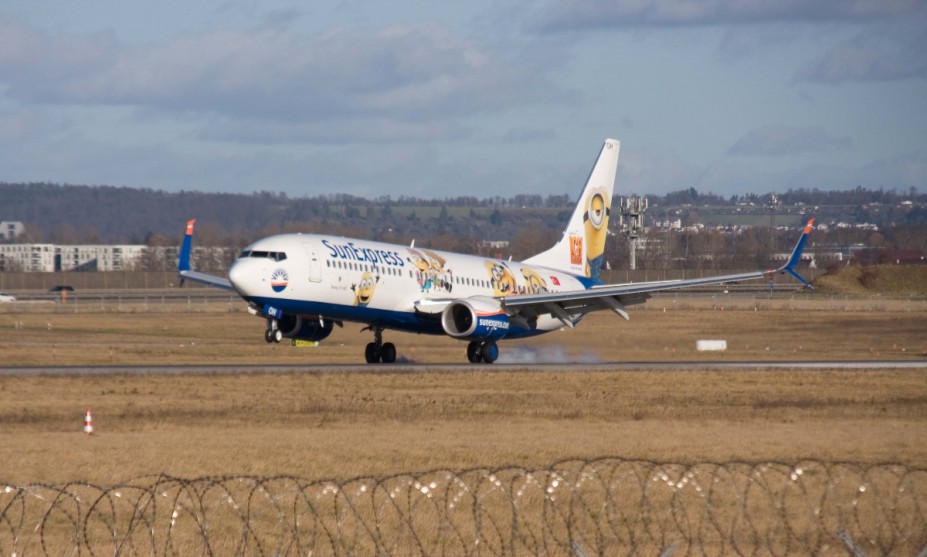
(54, 258)
(49, 258)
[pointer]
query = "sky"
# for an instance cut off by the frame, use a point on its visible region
(482, 98)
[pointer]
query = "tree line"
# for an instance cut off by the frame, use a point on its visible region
(70, 214)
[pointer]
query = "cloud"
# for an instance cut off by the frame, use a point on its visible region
(646, 171)
(578, 15)
(892, 54)
(903, 170)
(368, 129)
(400, 77)
(899, 171)
(786, 140)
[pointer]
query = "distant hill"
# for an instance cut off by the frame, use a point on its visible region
(73, 214)
(104, 214)
(129, 215)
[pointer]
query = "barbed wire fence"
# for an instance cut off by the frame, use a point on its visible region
(577, 508)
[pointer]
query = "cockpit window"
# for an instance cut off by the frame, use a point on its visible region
(275, 255)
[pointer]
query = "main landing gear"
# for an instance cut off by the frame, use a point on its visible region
(486, 352)
(379, 351)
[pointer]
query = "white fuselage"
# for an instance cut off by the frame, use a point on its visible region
(399, 287)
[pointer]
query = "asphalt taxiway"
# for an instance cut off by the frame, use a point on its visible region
(231, 369)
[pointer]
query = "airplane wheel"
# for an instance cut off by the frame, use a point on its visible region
(269, 336)
(371, 353)
(473, 353)
(489, 351)
(278, 335)
(388, 353)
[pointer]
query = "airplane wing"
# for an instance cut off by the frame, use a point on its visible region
(563, 305)
(183, 264)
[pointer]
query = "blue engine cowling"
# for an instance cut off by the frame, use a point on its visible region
(476, 318)
(309, 328)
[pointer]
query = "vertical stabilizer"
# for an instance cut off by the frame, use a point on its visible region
(581, 250)
(183, 260)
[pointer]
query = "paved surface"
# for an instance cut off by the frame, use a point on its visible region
(796, 365)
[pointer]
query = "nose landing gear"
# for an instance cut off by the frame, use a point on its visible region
(379, 351)
(273, 332)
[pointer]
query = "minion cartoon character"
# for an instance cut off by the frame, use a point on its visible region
(534, 282)
(429, 268)
(422, 267)
(502, 279)
(436, 265)
(598, 207)
(363, 291)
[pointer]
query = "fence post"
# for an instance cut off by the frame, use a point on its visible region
(854, 549)
(578, 550)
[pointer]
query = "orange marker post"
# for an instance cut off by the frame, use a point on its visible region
(88, 423)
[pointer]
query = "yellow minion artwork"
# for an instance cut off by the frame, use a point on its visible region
(435, 261)
(598, 207)
(363, 291)
(502, 279)
(533, 281)
(429, 270)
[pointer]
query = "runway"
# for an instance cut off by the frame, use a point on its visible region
(398, 368)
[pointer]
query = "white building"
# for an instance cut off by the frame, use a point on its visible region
(27, 257)
(100, 258)
(10, 231)
(49, 258)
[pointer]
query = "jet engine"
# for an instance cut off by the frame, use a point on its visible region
(476, 318)
(304, 328)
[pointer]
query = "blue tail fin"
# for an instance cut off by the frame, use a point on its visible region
(183, 260)
(794, 259)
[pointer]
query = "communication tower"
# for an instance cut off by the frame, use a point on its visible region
(773, 205)
(632, 224)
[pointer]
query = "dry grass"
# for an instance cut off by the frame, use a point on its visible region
(664, 329)
(341, 425)
(887, 279)
(317, 424)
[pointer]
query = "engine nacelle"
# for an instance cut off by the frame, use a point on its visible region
(476, 318)
(297, 327)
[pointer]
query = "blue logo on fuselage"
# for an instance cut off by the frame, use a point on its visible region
(279, 280)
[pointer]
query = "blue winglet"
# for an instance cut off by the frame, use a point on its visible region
(183, 261)
(789, 266)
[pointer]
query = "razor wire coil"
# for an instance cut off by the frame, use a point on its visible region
(602, 506)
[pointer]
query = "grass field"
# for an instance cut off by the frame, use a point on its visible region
(317, 424)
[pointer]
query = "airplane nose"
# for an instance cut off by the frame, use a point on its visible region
(237, 276)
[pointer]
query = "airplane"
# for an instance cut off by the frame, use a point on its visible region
(305, 284)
